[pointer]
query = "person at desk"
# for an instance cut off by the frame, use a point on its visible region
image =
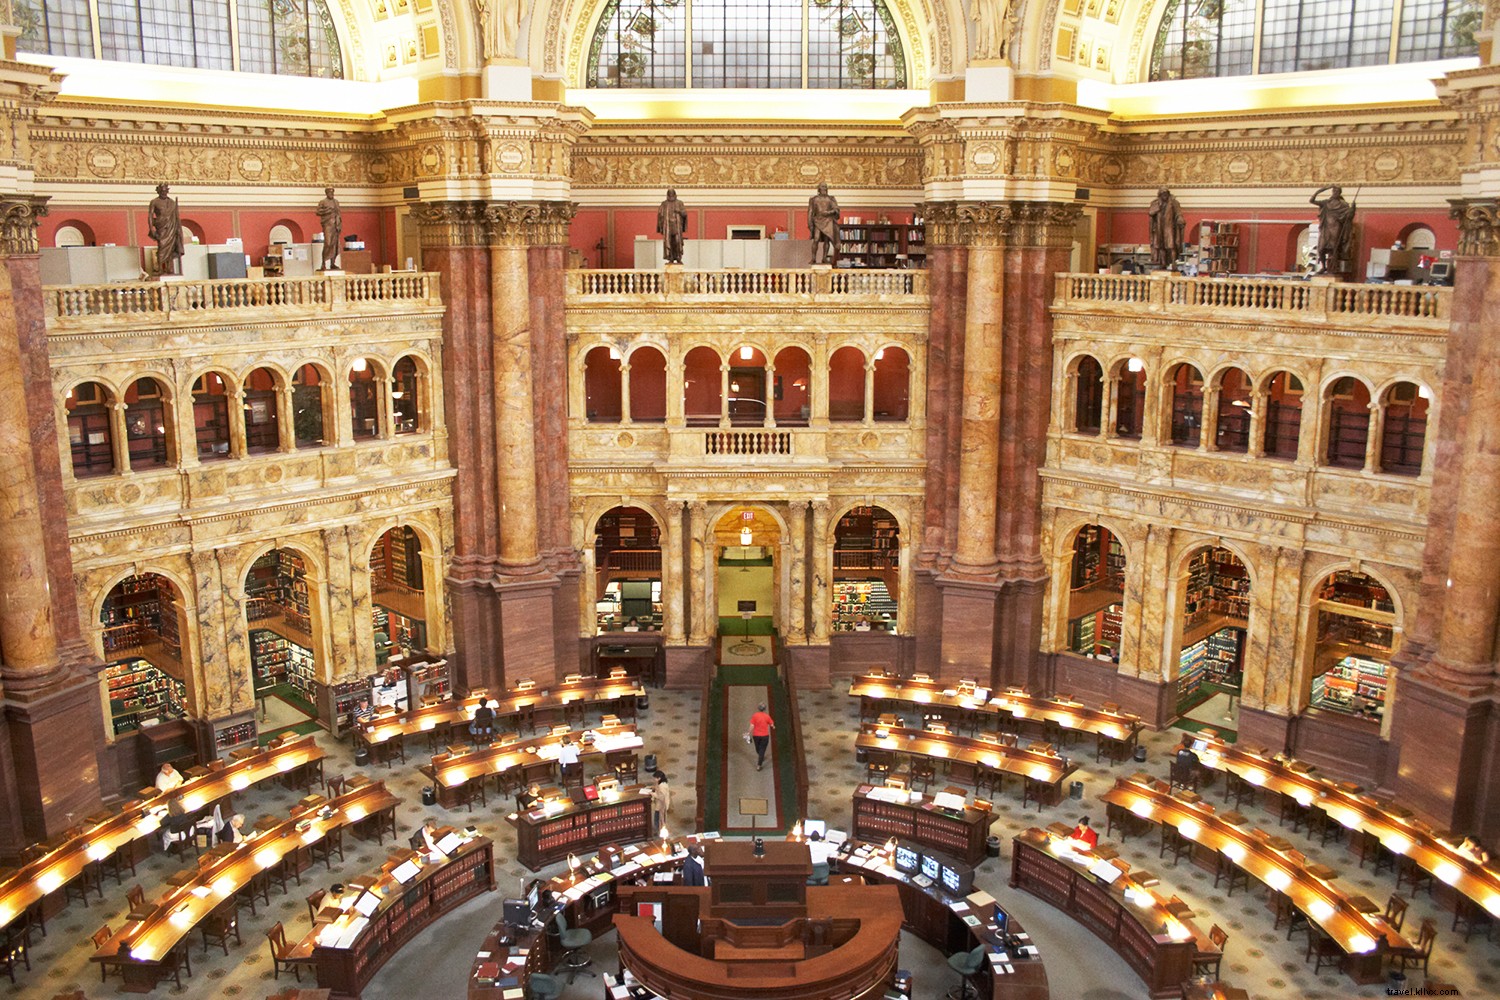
(634, 625)
(425, 839)
(528, 797)
(483, 725)
(233, 831)
(1085, 834)
(168, 778)
(567, 757)
(1474, 849)
(692, 868)
(820, 849)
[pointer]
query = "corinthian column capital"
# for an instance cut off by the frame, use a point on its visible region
(1478, 226)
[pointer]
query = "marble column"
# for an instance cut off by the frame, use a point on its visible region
(770, 420)
(1372, 437)
(979, 459)
(672, 582)
(286, 421)
(232, 602)
(724, 394)
(822, 568)
(947, 275)
(331, 608)
(869, 414)
(796, 519)
(119, 441)
(515, 422)
(1260, 400)
(625, 393)
(1208, 432)
(698, 580)
(238, 442)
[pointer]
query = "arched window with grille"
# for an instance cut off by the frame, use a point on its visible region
(283, 37)
(755, 44)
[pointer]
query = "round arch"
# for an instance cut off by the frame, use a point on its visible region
(1211, 604)
(1351, 618)
(759, 572)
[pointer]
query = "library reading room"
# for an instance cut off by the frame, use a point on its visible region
(661, 502)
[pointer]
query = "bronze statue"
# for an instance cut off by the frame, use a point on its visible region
(1335, 229)
(671, 222)
(164, 223)
(823, 224)
(333, 229)
(1166, 229)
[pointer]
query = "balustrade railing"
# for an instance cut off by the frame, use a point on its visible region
(1338, 301)
(748, 443)
(804, 283)
(163, 300)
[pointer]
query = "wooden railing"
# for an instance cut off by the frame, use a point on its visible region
(165, 300)
(805, 284)
(1427, 305)
(794, 727)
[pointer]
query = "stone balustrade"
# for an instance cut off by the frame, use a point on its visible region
(1317, 300)
(72, 307)
(804, 284)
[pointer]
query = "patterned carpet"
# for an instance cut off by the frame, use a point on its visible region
(435, 966)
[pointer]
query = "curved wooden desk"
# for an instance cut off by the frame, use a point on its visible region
(860, 967)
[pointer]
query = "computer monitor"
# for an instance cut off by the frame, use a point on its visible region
(906, 859)
(953, 880)
(1002, 920)
(931, 867)
(1441, 272)
(534, 895)
(1200, 745)
(812, 826)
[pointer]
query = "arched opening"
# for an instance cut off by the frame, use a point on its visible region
(398, 596)
(627, 571)
(90, 435)
(1130, 398)
(1096, 593)
(1419, 239)
(211, 416)
(1186, 385)
(1283, 416)
(364, 400)
(1348, 407)
(73, 234)
(142, 623)
(262, 423)
(846, 385)
(1088, 399)
(892, 384)
(793, 387)
(1232, 432)
(866, 571)
(146, 436)
(307, 407)
(601, 386)
(746, 542)
(648, 386)
(1215, 613)
(1403, 431)
(702, 399)
(747, 387)
(283, 658)
(1304, 253)
(406, 401)
(1356, 638)
(284, 233)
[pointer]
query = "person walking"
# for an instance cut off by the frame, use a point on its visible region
(761, 725)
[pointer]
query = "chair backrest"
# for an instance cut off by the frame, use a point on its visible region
(1218, 936)
(976, 957)
(277, 936)
(1427, 936)
(135, 896)
(1395, 910)
(100, 936)
(336, 786)
(560, 922)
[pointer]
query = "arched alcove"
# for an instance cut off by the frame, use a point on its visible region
(866, 590)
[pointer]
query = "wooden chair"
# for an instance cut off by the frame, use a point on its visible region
(1232, 872)
(286, 957)
(101, 938)
(1409, 873)
(467, 792)
(1175, 842)
(923, 772)
(1421, 954)
(324, 848)
(1471, 918)
(1206, 963)
(334, 786)
(1323, 950)
(313, 902)
(135, 897)
(878, 765)
(221, 924)
(1395, 911)
(89, 878)
(625, 765)
(259, 885)
(1287, 913)
(15, 947)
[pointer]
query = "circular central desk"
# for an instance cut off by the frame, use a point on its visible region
(845, 948)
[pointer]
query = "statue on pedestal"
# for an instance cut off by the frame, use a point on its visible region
(994, 25)
(1335, 229)
(499, 27)
(1166, 229)
(823, 224)
(332, 220)
(164, 223)
(671, 222)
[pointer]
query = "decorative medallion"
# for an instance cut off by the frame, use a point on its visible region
(809, 168)
(130, 493)
(272, 474)
(1238, 169)
(985, 158)
(251, 166)
(510, 158)
(1388, 165)
(432, 158)
(625, 440)
(682, 168)
(102, 161)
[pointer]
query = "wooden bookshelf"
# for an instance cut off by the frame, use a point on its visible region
(581, 829)
(960, 836)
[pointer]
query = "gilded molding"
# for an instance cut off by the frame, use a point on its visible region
(552, 222)
(18, 221)
(1044, 224)
(1478, 226)
(513, 224)
(450, 223)
(772, 161)
(941, 221)
(984, 224)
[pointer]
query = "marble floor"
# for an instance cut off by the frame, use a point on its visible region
(435, 965)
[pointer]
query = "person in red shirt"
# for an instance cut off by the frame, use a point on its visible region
(1085, 833)
(760, 731)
